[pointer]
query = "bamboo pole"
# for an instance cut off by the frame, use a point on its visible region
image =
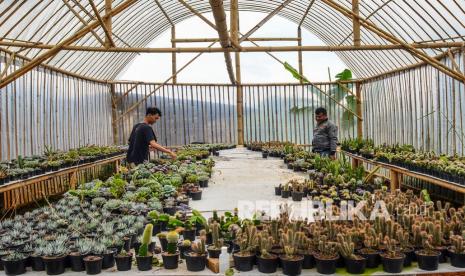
(53, 51)
(108, 40)
(83, 21)
(197, 40)
(264, 20)
(222, 28)
(109, 24)
(114, 113)
(239, 95)
(312, 48)
(306, 13)
(356, 22)
(389, 37)
(7, 65)
(173, 55)
(358, 109)
(299, 43)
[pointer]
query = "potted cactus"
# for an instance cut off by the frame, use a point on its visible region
(83, 248)
(405, 247)
(183, 247)
(392, 258)
(196, 193)
(457, 250)
(163, 241)
(144, 256)
(370, 250)
(93, 264)
(326, 256)
(355, 264)
(214, 250)
(428, 257)
(307, 251)
(277, 190)
(14, 263)
(196, 259)
(189, 231)
(203, 180)
(54, 255)
(297, 191)
(245, 258)
(171, 255)
(123, 261)
(267, 262)
(285, 191)
(291, 261)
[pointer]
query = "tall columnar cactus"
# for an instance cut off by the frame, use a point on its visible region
(172, 237)
(198, 247)
(346, 246)
(265, 243)
(215, 230)
(326, 248)
(291, 241)
(146, 240)
(404, 239)
(458, 244)
(391, 249)
(274, 230)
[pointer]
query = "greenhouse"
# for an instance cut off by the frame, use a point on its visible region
(260, 163)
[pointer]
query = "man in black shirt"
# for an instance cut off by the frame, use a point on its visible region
(143, 139)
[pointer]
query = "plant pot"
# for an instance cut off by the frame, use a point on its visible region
(285, 194)
(209, 238)
(355, 266)
(194, 262)
(308, 262)
(196, 195)
(37, 263)
(443, 255)
(297, 196)
(150, 249)
(108, 260)
(144, 263)
(93, 264)
(14, 267)
(267, 265)
(182, 250)
(170, 261)
(277, 191)
(373, 258)
(325, 265)
(292, 266)
(243, 263)
(123, 263)
(55, 265)
(264, 155)
(169, 210)
(457, 260)
(214, 253)
(392, 265)
(427, 262)
(77, 262)
(203, 183)
(163, 243)
(156, 229)
(189, 234)
(409, 256)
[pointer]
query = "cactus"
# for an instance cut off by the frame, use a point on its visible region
(346, 246)
(172, 237)
(404, 239)
(391, 249)
(265, 243)
(215, 230)
(247, 239)
(186, 243)
(290, 241)
(458, 244)
(198, 247)
(146, 240)
(326, 248)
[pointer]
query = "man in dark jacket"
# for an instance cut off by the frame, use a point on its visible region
(142, 139)
(324, 135)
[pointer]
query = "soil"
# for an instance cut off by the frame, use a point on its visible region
(92, 258)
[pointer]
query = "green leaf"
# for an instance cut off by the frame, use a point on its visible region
(344, 75)
(294, 72)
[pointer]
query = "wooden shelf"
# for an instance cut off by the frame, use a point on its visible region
(23, 192)
(397, 171)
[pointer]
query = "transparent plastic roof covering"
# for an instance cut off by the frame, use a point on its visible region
(51, 21)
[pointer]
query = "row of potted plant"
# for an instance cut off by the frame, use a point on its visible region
(451, 168)
(51, 160)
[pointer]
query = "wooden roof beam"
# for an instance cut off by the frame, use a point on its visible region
(197, 40)
(105, 28)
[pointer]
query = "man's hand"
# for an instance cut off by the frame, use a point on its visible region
(173, 155)
(151, 148)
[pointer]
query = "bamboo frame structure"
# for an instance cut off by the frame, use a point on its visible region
(197, 40)
(108, 39)
(234, 24)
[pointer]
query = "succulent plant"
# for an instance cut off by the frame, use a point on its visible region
(326, 248)
(15, 256)
(215, 230)
(290, 241)
(172, 237)
(346, 246)
(198, 247)
(458, 244)
(186, 243)
(145, 241)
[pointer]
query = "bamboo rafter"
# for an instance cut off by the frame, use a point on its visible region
(102, 24)
(195, 40)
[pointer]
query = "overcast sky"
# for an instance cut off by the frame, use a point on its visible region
(255, 67)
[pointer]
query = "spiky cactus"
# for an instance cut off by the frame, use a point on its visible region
(346, 246)
(265, 243)
(215, 230)
(391, 249)
(146, 240)
(458, 244)
(290, 241)
(404, 239)
(198, 247)
(326, 248)
(172, 237)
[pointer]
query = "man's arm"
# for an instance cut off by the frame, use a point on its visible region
(155, 145)
(332, 135)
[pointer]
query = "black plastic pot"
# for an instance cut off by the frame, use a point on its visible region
(123, 263)
(163, 243)
(169, 210)
(196, 195)
(443, 255)
(55, 265)
(170, 261)
(326, 266)
(14, 267)
(203, 183)
(427, 262)
(308, 262)
(108, 260)
(277, 191)
(267, 265)
(457, 260)
(209, 238)
(373, 259)
(156, 228)
(93, 264)
(151, 248)
(285, 194)
(37, 263)
(214, 253)
(77, 262)
(297, 196)
(355, 266)
(409, 257)
(182, 250)
(265, 154)
(392, 265)
(189, 234)
(292, 267)
(243, 263)
(195, 263)
(144, 263)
